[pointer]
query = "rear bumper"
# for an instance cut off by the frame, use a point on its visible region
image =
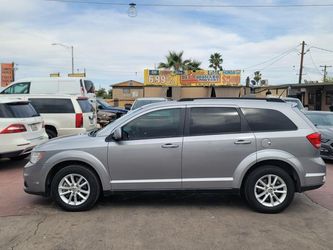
(16, 153)
(20, 147)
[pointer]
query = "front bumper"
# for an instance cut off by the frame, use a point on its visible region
(33, 183)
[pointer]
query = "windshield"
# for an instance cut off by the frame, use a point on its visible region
(321, 119)
(140, 103)
(104, 103)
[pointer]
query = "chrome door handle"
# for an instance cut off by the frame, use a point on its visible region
(170, 145)
(242, 142)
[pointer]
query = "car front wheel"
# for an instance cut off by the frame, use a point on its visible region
(269, 189)
(75, 188)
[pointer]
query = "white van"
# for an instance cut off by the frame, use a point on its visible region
(53, 85)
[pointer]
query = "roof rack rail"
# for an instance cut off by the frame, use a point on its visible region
(267, 99)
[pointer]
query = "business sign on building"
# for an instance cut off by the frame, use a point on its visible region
(7, 74)
(192, 78)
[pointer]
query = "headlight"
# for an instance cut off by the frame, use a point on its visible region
(35, 157)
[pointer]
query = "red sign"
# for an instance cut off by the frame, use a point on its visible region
(7, 74)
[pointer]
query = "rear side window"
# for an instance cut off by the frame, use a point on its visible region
(85, 105)
(214, 120)
(17, 110)
(89, 85)
(18, 88)
(261, 120)
(52, 105)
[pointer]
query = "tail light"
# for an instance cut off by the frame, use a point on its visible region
(79, 120)
(314, 139)
(14, 128)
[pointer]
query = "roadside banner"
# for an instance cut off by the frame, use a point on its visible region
(192, 78)
(7, 74)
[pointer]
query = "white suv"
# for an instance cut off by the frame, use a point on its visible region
(21, 128)
(64, 114)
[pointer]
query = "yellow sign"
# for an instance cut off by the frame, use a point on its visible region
(192, 78)
(77, 75)
(55, 75)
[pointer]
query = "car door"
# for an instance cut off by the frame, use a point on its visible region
(148, 156)
(216, 140)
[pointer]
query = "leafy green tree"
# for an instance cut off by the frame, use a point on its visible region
(101, 93)
(216, 61)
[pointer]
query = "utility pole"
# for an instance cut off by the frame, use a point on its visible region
(72, 48)
(301, 64)
(325, 71)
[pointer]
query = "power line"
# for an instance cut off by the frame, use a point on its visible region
(327, 50)
(273, 58)
(198, 5)
(313, 62)
(278, 59)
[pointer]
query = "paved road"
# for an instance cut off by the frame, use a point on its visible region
(157, 221)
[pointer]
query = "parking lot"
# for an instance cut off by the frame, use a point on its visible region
(161, 220)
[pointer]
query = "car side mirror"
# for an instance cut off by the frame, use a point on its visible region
(100, 107)
(117, 134)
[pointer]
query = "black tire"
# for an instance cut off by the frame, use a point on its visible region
(51, 133)
(91, 178)
(19, 157)
(249, 189)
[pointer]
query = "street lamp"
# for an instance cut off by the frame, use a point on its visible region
(72, 50)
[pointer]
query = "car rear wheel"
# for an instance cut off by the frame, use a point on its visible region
(269, 189)
(75, 188)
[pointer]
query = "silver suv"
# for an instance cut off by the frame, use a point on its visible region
(263, 149)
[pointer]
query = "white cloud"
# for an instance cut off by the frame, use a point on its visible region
(112, 46)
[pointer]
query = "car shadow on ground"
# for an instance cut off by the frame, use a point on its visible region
(172, 198)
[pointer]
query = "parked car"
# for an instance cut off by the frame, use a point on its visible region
(297, 102)
(264, 149)
(104, 117)
(104, 106)
(21, 128)
(64, 114)
(53, 85)
(323, 120)
(139, 102)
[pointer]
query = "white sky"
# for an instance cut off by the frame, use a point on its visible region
(113, 47)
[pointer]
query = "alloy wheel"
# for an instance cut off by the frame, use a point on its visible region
(270, 190)
(74, 189)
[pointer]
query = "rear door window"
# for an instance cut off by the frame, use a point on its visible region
(52, 105)
(261, 120)
(213, 120)
(17, 110)
(85, 105)
(18, 88)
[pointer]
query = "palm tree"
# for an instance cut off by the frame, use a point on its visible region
(216, 61)
(193, 65)
(257, 76)
(174, 61)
